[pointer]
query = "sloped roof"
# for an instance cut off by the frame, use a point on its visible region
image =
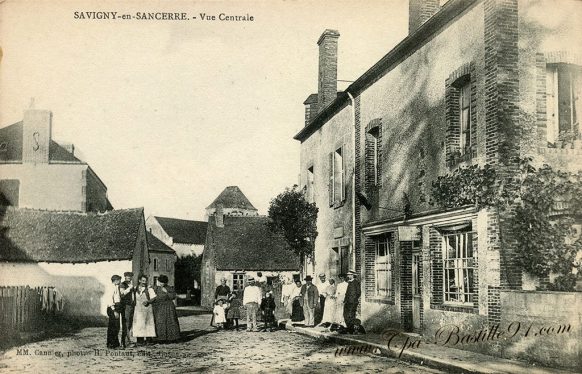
(156, 245)
(247, 243)
(12, 137)
(50, 236)
(232, 197)
(184, 231)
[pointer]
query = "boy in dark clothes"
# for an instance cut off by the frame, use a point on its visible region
(268, 307)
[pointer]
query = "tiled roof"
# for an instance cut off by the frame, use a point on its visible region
(247, 243)
(184, 231)
(232, 197)
(50, 236)
(156, 245)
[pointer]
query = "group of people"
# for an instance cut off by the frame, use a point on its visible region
(326, 303)
(141, 312)
(257, 296)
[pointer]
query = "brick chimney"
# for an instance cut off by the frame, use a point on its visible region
(219, 215)
(327, 84)
(36, 136)
(419, 11)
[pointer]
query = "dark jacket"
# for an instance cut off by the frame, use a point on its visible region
(353, 292)
(222, 291)
(129, 298)
(268, 303)
(312, 296)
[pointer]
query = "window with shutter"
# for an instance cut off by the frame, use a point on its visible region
(563, 90)
(330, 185)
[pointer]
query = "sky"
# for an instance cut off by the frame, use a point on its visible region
(169, 113)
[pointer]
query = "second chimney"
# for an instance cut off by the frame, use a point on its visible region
(36, 136)
(219, 216)
(419, 11)
(327, 85)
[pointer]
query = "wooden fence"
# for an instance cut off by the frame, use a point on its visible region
(21, 308)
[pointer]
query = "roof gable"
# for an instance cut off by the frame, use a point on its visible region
(156, 245)
(247, 243)
(232, 197)
(184, 231)
(50, 236)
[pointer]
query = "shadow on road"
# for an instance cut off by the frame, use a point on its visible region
(186, 336)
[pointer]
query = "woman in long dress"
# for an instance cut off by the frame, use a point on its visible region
(329, 310)
(165, 315)
(143, 317)
(340, 295)
(297, 309)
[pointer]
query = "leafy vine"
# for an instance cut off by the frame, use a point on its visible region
(541, 204)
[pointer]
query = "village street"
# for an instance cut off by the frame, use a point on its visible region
(204, 350)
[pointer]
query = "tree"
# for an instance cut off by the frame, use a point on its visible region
(296, 219)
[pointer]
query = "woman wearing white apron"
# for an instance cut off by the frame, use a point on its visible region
(144, 326)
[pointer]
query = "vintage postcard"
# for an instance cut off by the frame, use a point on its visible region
(291, 186)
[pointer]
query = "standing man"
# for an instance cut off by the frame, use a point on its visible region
(310, 298)
(113, 299)
(322, 288)
(351, 300)
(251, 300)
(128, 305)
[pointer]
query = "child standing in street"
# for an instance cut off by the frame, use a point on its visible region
(268, 307)
(219, 317)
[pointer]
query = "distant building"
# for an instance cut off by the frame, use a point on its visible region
(233, 202)
(75, 252)
(239, 247)
(36, 172)
(162, 259)
(186, 237)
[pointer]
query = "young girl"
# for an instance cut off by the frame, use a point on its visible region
(233, 313)
(219, 318)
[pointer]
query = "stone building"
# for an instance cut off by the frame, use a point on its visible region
(238, 247)
(162, 260)
(327, 166)
(186, 237)
(75, 252)
(469, 75)
(240, 244)
(37, 172)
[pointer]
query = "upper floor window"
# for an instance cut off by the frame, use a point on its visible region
(336, 177)
(465, 117)
(563, 90)
(310, 185)
(155, 264)
(458, 267)
(372, 157)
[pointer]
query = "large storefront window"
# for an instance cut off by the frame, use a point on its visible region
(383, 266)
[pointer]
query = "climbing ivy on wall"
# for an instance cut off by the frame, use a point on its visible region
(541, 204)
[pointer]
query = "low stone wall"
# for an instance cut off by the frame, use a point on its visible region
(548, 327)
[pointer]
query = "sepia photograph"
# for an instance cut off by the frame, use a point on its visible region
(311, 186)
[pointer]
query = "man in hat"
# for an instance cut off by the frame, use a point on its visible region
(252, 298)
(323, 289)
(113, 299)
(351, 300)
(127, 305)
(310, 299)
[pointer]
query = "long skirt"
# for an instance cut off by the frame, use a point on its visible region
(297, 312)
(329, 310)
(166, 321)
